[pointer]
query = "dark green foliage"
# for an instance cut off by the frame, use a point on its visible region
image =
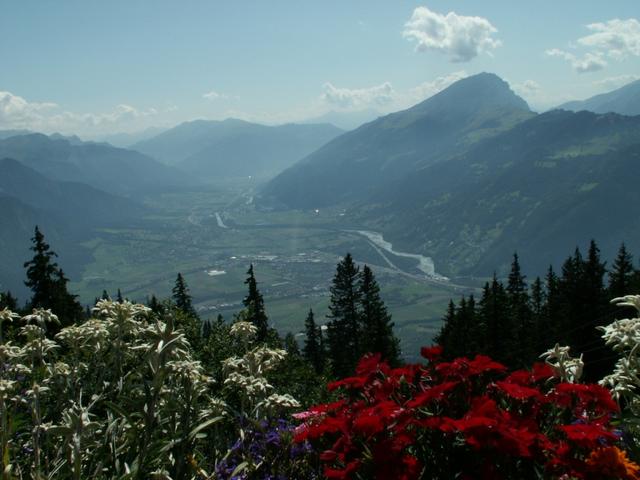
(358, 320)
(498, 336)
(119, 298)
(520, 314)
(343, 329)
(376, 324)
(460, 330)
(621, 276)
(7, 300)
(182, 298)
(49, 284)
(255, 306)
(515, 325)
(313, 350)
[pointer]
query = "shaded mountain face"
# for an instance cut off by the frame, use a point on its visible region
(360, 162)
(550, 183)
(231, 148)
(115, 170)
(625, 101)
(67, 212)
(76, 204)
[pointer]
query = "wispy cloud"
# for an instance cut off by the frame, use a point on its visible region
(589, 62)
(213, 95)
(358, 98)
(615, 39)
(460, 37)
(17, 112)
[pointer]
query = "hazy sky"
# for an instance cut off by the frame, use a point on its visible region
(93, 67)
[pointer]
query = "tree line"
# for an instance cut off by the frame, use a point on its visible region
(517, 321)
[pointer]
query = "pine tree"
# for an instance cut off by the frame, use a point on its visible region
(520, 313)
(255, 306)
(343, 332)
(497, 330)
(119, 298)
(621, 276)
(313, 349)
(49, 284)
(7, 300)
(375, 322)
(446, 336)
(182, 298)
(41, 270)
(552, 310)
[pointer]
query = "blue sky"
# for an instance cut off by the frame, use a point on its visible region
(93, 67)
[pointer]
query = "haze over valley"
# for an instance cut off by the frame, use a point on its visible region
(433, 177)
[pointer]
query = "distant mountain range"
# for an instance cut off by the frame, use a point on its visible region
(625, 101)
(115, 170)
(471, 175)
(232, 148)
(346, 120)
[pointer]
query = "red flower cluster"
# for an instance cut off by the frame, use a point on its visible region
(464, 419)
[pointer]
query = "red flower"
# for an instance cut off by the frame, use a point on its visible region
(519, 392)
(589, 435)
(343, 473)
(431, 353)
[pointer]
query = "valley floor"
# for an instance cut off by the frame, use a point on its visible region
(211, 236)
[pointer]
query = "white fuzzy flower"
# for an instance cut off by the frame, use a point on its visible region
(567, 368)
(277, 402)
(41, 317)
(7, 315)
(244, 330)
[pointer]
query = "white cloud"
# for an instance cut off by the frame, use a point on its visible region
(589, 62)
(460, 37)
(616, 82)
(528, 87)
(213, 95)
(17, 113)
(358, 98)
(427, 89)
(617, 38)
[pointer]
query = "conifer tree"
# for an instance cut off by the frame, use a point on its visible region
(343, 327)
(119, 298)
(49, 284)
(495, 321)
(255, 306)
(552, 309)
(375, 322)
(621, 276)
(313, 349)
(7, 300)
(446, 336)
(182, 298)
(520, 313)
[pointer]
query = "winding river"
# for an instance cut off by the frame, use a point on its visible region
(425, 264)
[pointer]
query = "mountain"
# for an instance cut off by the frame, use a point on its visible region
(541, 188)
(116, 170)
(125, 140)
(67, 212)
(625, 101)
(13, 133)
(230, 148)
(74, 203)
(346, 120)
(358, 163)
